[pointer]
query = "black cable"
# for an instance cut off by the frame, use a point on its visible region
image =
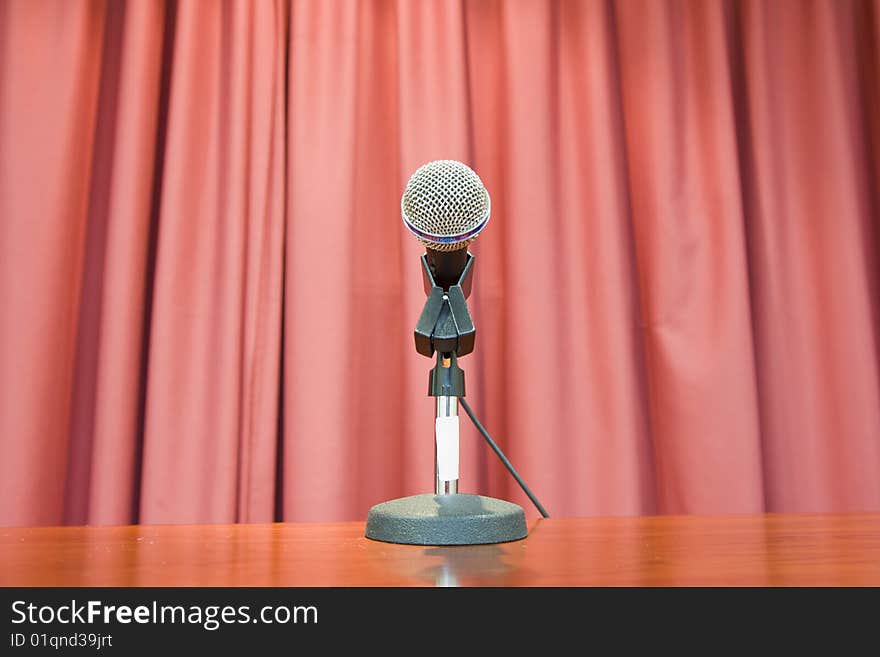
(501, 456)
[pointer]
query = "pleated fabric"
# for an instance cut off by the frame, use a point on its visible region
(208, 296)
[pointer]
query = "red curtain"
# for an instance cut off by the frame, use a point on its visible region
(207, 296)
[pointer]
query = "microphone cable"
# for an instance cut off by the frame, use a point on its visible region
(504, 460)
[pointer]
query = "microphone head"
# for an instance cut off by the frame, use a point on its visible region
(445, 205)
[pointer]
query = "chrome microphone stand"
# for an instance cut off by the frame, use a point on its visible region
(447, 517)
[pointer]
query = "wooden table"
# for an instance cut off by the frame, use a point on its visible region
(797, 549)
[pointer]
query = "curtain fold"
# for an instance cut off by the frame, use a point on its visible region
(208, 296)
(103, 483)
(215, 336)
(684, 187)
(812, 224)
(49, 83)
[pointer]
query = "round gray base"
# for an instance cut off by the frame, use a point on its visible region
(446, 520)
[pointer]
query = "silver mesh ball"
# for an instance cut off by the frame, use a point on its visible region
(445, 205)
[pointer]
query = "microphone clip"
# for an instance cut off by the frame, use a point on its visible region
(445, 325)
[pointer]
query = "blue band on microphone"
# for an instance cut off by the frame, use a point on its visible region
(446, 239)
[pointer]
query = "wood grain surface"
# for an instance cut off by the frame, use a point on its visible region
(798, 549)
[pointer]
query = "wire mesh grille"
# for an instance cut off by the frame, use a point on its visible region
(443, 200)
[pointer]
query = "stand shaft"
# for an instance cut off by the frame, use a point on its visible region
(446, 407)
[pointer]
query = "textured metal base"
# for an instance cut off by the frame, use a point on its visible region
(446, 520)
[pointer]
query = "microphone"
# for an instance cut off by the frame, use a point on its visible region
(445, 205)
